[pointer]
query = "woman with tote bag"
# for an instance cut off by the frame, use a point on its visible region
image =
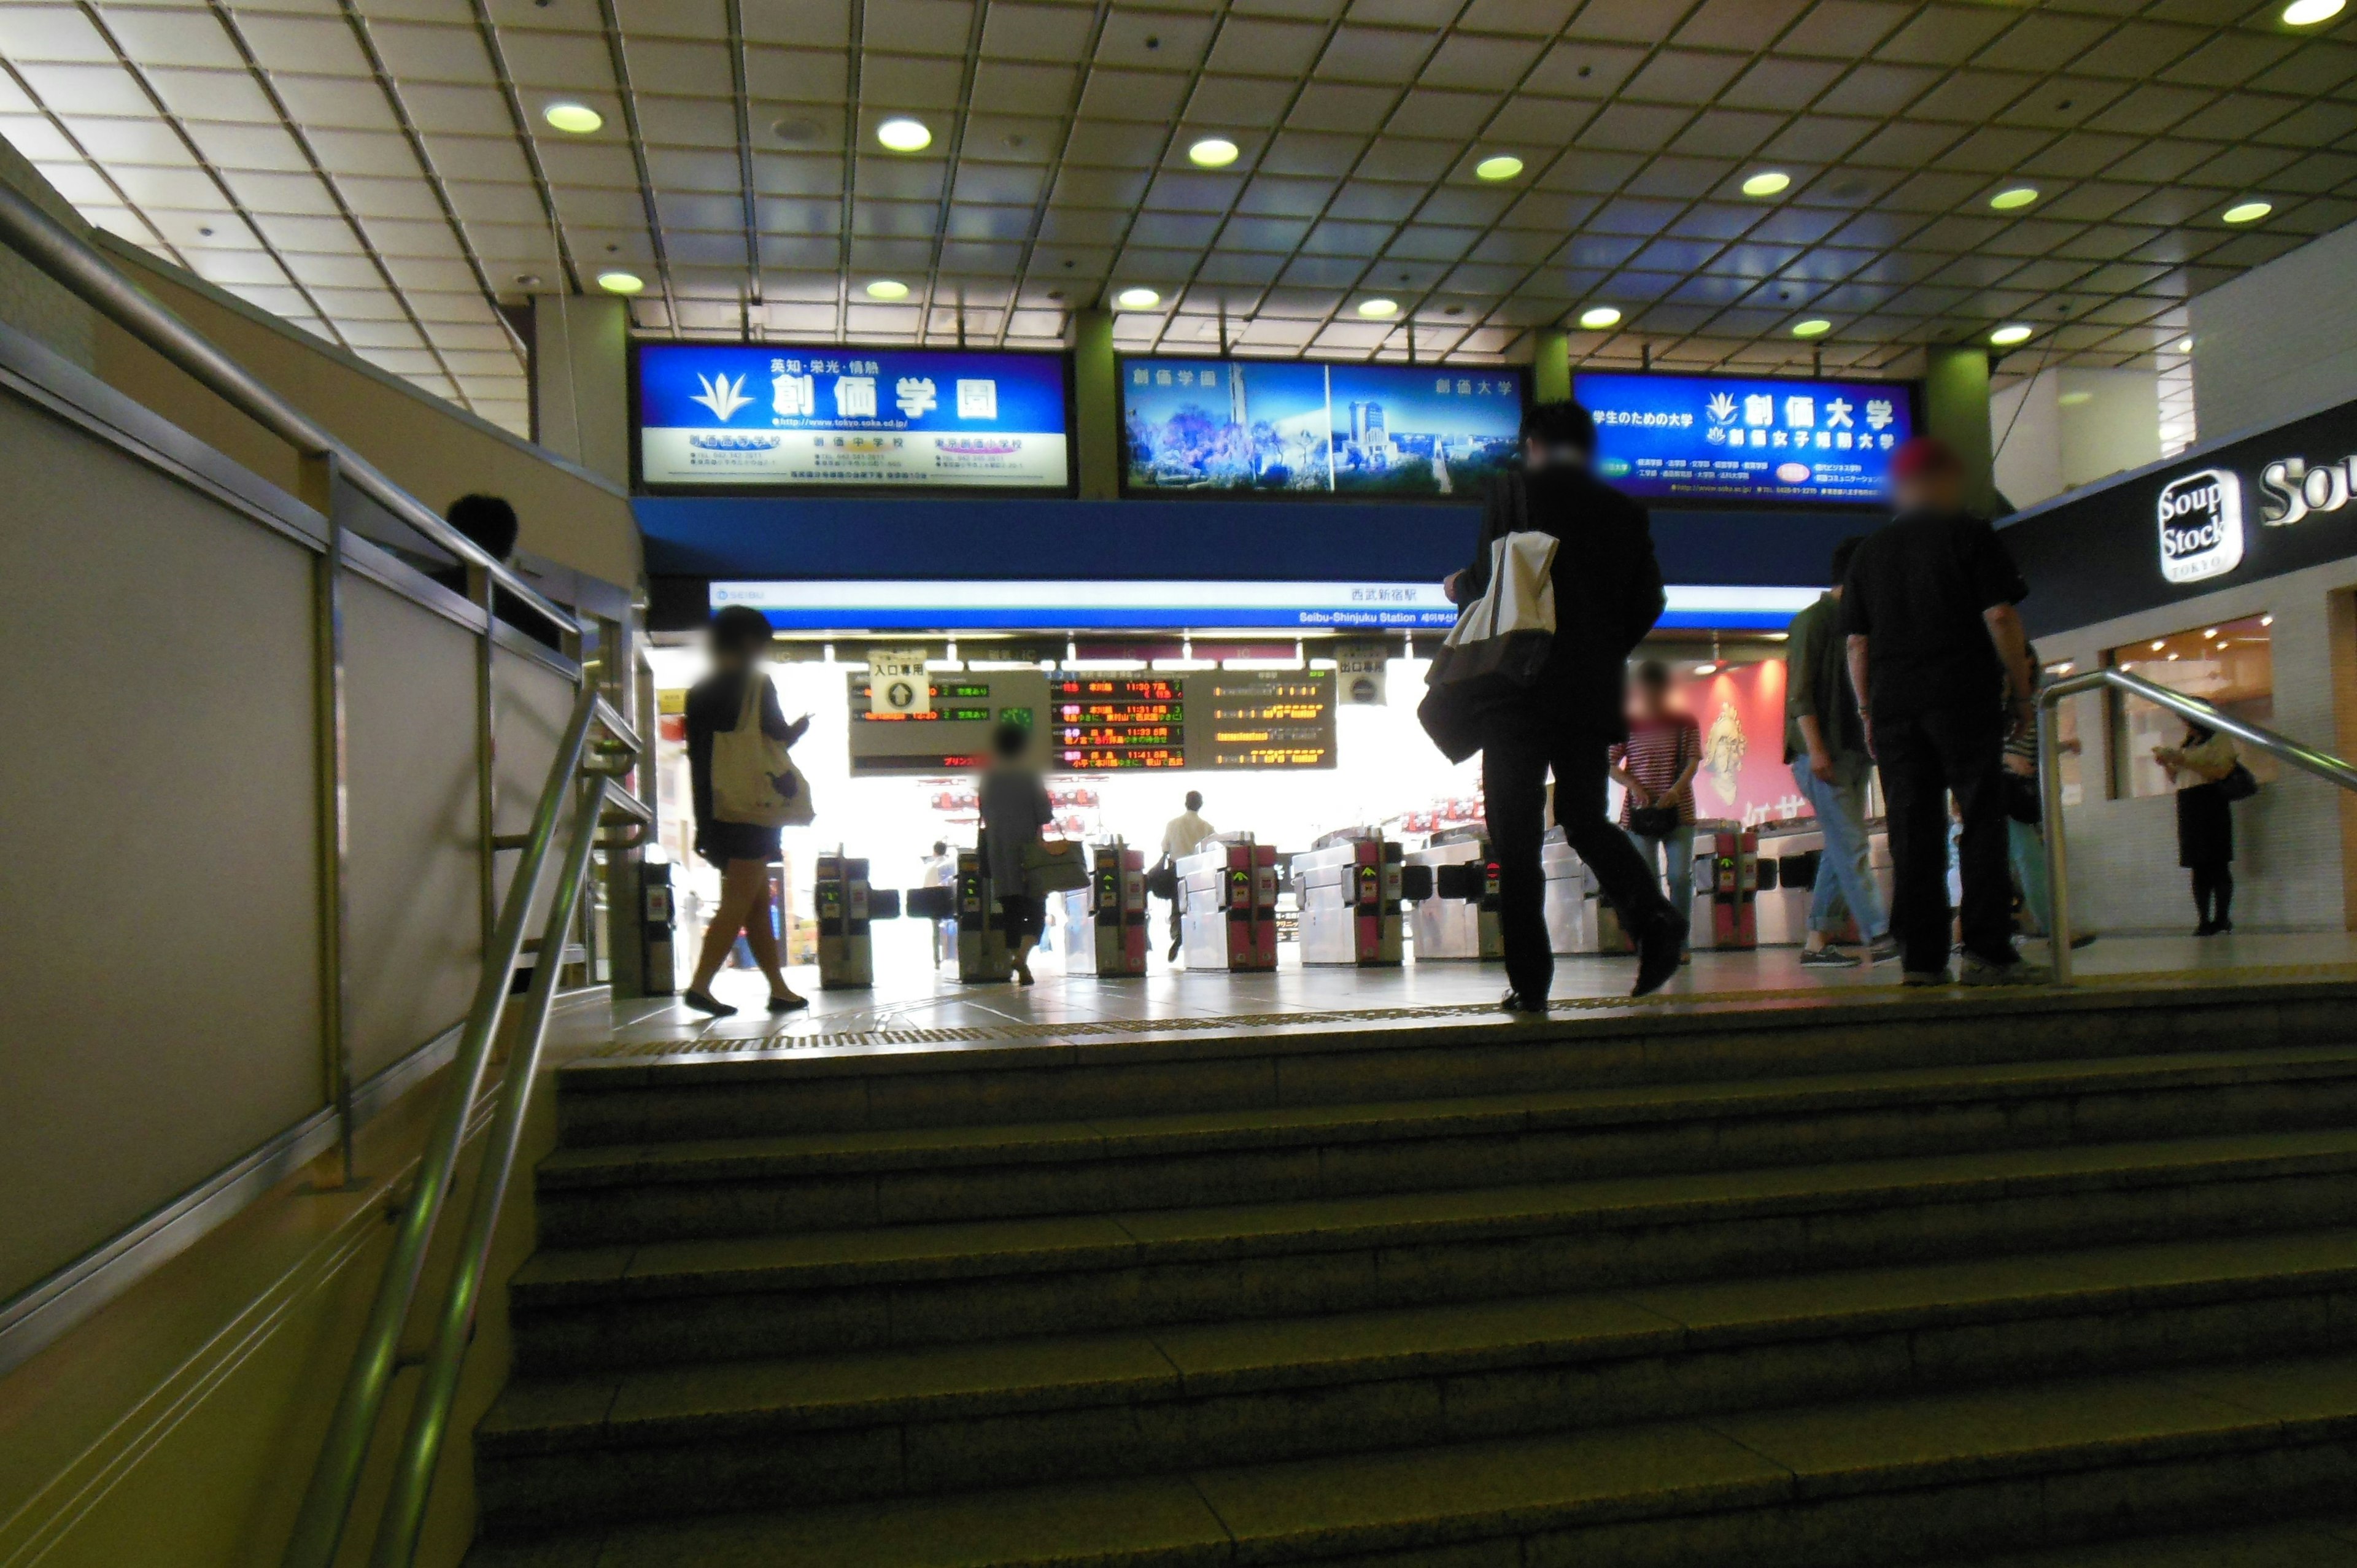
(746, 788)
(1014, 799)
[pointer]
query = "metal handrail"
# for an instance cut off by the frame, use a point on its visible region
(327, 1505)
(2307, 758)
(77, 265)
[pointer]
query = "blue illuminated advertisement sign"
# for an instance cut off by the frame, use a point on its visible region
(1724, 439)
(837, 417)
(1286, 427)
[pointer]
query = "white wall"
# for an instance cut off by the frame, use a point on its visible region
(2063, 428)
(2280, 340)
(2124, 870)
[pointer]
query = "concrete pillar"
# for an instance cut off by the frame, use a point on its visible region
(581, 367)
(1551, 367)
(1957, 409)
(1097, 403)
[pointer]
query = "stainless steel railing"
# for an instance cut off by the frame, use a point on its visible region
(73, 262)
(327, 1505)
(2307, 758)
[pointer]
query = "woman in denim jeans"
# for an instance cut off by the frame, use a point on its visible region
(1656, 767)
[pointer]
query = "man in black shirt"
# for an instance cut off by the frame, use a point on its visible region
(1942, 669)
(1607, 594)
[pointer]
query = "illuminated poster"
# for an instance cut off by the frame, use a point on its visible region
(1743, 776)
(1286, 427)
(1720, 439)
(840, 418)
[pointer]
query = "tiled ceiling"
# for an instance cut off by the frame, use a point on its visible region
(379, 170)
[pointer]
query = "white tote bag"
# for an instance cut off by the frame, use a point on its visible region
(754, 779)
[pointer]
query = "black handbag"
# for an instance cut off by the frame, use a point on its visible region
(2240, 783)
(1653, 822)
(2024, 802)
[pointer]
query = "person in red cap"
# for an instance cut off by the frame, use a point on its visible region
(1942, 669)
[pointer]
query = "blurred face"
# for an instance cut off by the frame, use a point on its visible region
(1650, 699)
(1938, 491)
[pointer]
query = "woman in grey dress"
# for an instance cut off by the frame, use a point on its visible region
(1014, 796)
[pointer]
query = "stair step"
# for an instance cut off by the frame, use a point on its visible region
(624, 1099)
(915, 1283)
(714, 1187)
(1859, 1485)
(2328, 1541)
(958, 1417)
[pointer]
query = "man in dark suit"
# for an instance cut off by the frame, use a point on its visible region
(1607, 594)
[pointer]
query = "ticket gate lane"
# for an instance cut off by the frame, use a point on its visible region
(1227, 906)
(1460, 920)
(847, 906)
(1104, 924)
(1350, 892)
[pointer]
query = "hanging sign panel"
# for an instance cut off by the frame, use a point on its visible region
(1720, 438)
(763, 417)
(1223, 428)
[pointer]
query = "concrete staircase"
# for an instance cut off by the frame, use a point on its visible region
(1873, 1281)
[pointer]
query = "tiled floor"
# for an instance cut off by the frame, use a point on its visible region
(907, 995)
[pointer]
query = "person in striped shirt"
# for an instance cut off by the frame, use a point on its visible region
(1655, 767)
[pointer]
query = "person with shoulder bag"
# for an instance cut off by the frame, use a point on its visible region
(745, 788)
(1656, 768)
(2209, 777)
(1562, 586)
(1013, 794)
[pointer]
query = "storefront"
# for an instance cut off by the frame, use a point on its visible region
(2230, 573)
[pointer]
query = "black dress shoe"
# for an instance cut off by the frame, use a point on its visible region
(1512, 1003)
(1658, 955)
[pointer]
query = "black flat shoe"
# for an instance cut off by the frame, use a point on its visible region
(704, 1003)
(1658, 956)
(1512, 1003)
(787, 1002)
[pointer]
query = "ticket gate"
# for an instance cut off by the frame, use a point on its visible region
(982, 951)
(1103, 926)
(1732, 890)
(1349, 887)
(1574, 908)
(1227, 904)
(1460, 920)
(847, 905)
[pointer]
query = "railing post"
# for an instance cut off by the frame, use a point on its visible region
(429, 1415)
(481, 590)
(320, 1526)
(323, 490)
(2058, 859)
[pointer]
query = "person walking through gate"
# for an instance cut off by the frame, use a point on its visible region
(1941, 670)
(1655, 767)
(1607, 594)
(1185, 835)
(1015, 807)
(1825, 744)
(743, 850)
(2205, 821)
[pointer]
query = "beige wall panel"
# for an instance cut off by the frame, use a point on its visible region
(158, 986)
(415, 943)
(532, 703)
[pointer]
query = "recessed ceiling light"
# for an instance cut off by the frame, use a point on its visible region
(618, 281)
(579, 119)
(2007, 337)
(1213, 151)
(2005, 200)
(2158, 643)
(1379, 307)
(2074, 399)
(1706, 669)
(2267, 620)
(1596, 319)
(2248, 212)
(888, 288)
(1505, 166)
(1815, 326)
(904, 135)
(1767, 183)
(2307, 12)
(1138, 299)
(2209, 631)
(2185, 345)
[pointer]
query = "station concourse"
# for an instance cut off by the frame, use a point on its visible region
(728, 842)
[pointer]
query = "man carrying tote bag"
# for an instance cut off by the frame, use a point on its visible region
(1534, 683)
(746, 788)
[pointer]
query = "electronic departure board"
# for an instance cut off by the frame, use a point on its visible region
(1099, 723)
(1280, 718)
(1106, 724)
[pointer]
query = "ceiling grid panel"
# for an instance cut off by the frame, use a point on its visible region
(98, 170)
(1092, 36)
(521, 118)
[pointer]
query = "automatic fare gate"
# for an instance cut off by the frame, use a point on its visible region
(1227, 904)
(1460, 920)
(1349, 889)
(1104, 923)
(846, 904)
